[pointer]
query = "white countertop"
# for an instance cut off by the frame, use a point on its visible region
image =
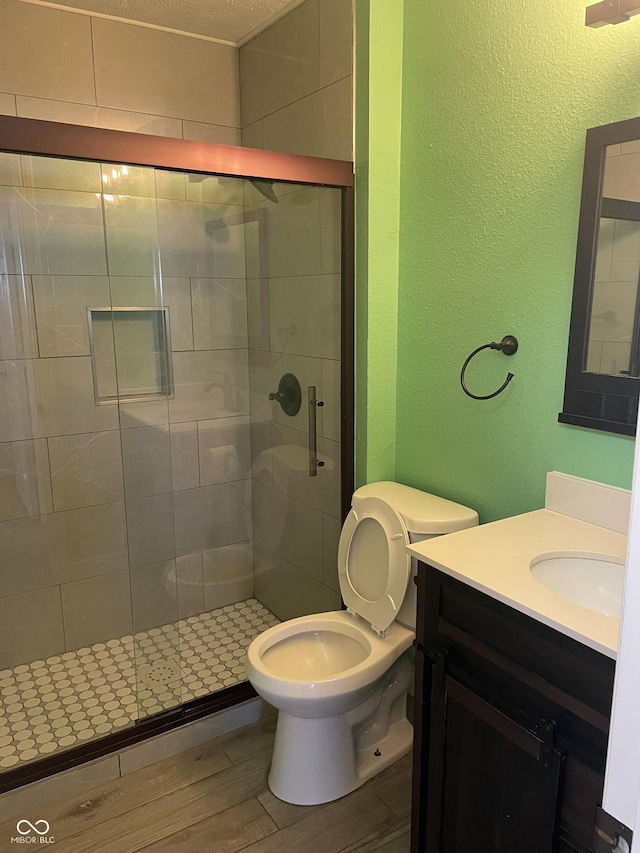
(495, 559)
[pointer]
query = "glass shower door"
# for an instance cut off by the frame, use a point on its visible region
(156, 506)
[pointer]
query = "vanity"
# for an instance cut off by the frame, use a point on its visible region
(514, 681)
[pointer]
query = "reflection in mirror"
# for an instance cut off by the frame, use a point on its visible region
(613, 332)
(603, 359)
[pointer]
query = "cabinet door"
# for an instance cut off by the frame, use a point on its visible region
(493, 785)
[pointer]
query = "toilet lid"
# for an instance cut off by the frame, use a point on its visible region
(373, 564)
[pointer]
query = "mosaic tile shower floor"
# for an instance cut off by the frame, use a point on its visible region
(68, 699)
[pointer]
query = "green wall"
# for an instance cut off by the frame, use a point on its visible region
(495, 99)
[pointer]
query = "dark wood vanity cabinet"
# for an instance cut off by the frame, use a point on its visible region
(511, 724)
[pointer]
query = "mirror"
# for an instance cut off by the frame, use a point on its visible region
(603, 361)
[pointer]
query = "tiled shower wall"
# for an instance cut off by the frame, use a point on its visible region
(62, 66)
(73, 573)
(296, 82)
(67, 67)
(293, 293)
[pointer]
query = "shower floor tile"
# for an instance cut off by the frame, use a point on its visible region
(68, 699)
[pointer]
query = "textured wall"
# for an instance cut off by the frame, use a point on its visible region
(378, 134)
(496, 100)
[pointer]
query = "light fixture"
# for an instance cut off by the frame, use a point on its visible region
(611, 12)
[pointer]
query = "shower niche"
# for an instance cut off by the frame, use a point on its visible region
(156, 508)
(139, 341)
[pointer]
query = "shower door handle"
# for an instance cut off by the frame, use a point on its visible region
(314, 464)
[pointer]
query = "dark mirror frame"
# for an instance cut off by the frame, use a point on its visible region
(595, 400)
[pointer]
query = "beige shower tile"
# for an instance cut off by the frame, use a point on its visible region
(209, 384)
(264, 576)
(150, 529)
(31, 627)
(7, 104)
(228, 574)
(218, 133)
(288, 240)
(336, 40)
(224, 449)
(190, 585)
(319, 125)
(58, 45)
(291, 470)
(61, 303)
(131, 226)
(201, 239)
(258, 313)
(25, 485)
(146, 458)
(144, 413)
(10, 169)
(126, 180)
(252, 135)
(304, 315)
(18, 417)
(298, 594)
(165, 74)
(24, 547)
(64, 390)
(17, 318)
(149, 292)
(50, 396)
(219, 313)
(86, 469)
(331, 529)
(212, 516)
(331, 384)
(261, 451)
(281, 64)
(331, 230)
(184, 456)
(154, 599)
(90, 116)
(96, 609)
(56, 174)
(215, 189)
(53, 231)
(86, 542)
(289, 528)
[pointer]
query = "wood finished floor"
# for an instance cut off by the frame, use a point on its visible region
(215, 798)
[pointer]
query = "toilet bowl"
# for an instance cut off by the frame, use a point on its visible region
(339, 680)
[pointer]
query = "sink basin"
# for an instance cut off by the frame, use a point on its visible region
(594, 581)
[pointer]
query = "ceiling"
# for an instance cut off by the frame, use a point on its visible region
(223, 20)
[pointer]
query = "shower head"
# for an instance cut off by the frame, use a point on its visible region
(265, 188)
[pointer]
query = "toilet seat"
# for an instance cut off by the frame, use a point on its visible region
(373, 564)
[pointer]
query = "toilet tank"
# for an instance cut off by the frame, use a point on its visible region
(425, 516)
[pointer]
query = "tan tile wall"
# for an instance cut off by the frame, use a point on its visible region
(73, 571)
(293, 296)
(62, 66)
(296, 82)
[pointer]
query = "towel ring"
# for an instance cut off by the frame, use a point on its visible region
(508, 345)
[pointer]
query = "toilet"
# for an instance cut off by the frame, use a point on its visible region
(339, 680)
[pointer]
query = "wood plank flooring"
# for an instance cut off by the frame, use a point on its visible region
(214, 799)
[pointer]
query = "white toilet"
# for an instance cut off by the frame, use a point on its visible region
(339, 680)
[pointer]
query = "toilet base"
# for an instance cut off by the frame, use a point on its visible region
(316, 761)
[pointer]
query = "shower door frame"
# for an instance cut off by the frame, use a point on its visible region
(76, 142)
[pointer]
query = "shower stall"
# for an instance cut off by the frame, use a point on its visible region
(160, 505)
